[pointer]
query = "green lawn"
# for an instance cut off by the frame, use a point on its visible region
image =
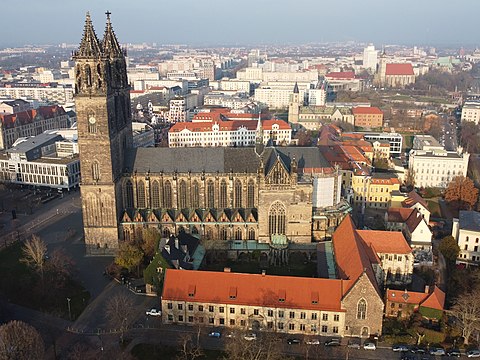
(160, 352)
(22, 286)
(434, 208)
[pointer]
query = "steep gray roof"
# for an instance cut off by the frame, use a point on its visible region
(469, 220)
(219, 159)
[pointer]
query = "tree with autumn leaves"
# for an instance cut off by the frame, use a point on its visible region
(461, 193)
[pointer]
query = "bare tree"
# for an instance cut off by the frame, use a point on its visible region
(189, 348)
(60, 267)
(120, 313)
(266, 347)
(20, 341)
(466, 311)
(34, 254)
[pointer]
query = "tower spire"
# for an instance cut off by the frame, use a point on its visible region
(89, 46)
(295, 88)
(111, 47)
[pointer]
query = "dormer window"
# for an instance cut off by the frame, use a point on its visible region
(191, 290)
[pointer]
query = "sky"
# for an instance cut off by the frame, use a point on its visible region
(247, 22)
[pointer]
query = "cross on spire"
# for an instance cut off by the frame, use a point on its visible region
(108, 13)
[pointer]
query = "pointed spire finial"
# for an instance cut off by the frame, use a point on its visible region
(89, 46)
(111, 47)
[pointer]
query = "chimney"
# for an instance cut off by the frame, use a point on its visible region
(264, 272)
(427, 289)
(227, 269)
(167, 248)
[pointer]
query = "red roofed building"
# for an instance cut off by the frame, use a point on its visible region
(402, 304)
(218, 132)
(371, 117)
(394, 74)
(30, 123)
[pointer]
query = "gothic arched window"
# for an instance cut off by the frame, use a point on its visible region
(210, 194)
(167, 195)
(95, 171)
(238, 234)
(276, 219)
(238, 194)
(251, 234)
(128, 195)
(223, 195)
(251, 194)
(141, 195)
(195, 195)
(223, 234)
(182, 195)
(362, 309)
(155, 195)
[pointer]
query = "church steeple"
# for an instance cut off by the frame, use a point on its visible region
(111, 47)
(89, 46)
(295, 88)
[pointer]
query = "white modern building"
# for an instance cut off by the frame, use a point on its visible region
(437, 168)
(35, 161)
(471, 112)
(143, 135)
(466, 230)
(394, 139)
(370, 58)
(62, 94)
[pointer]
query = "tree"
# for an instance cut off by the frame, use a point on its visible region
(129, 256)
(150, 237)
(410, 179)
(34, 254)
(59, 268)
(461, 193)
(466, 311)
(189, 348)
(267, 347)
(20, 341)
(449, 248)
(120, 312)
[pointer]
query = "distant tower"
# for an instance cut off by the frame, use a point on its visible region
(380, 76)
(102, 101)
(370, 58)
(294, 105)
(259, 142)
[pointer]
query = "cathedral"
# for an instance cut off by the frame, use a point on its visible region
(273, 195)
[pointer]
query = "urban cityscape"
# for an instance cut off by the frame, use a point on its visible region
(259, 199)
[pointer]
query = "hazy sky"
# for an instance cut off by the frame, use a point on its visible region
(247, 22)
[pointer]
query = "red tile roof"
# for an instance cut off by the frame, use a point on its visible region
(385, 242)
(399, 69)
(341, 75)
(29, 116)
(230, 125)
(253, 289)
(414, 198)
(433, 300)
(361, 110)
(410, 216)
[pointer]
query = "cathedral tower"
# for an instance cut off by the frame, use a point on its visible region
(102, 102)
(294, 106)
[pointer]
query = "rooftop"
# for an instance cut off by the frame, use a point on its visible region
(469, 220)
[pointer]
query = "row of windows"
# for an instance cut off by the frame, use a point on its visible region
(162, 196)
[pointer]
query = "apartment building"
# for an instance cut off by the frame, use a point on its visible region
(471, 112)
(466, 230)
(369, 117)
(374, 190)
(52, 92)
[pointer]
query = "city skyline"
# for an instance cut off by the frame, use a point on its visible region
(212, 22)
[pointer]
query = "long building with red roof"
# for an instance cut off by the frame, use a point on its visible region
(348, 305)
(218, 132)
(30, 123)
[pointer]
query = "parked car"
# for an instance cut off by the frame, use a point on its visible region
(293, 341)
(369, 346)
(214, 334)
(400, 347)
(437, 351)
(333, 342)
(250, 337)
(454, 352)
(418, 350)
(474, 353)
(312, 342)
(153, 312)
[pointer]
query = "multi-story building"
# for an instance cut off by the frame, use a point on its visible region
(143, 135)
(394, 139)
(370, 58)
(229, 133)
(276, 98)
(232, 102)
(373, 190)
(31, 123)
(471, 112)
(403, 303)
(349, 305)
(427, 143)
(14, 106)
(53, 92)
(370, 117)
(436, 168)
(466, 230)
(36, 161)
(178, 110)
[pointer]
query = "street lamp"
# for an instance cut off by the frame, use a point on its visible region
(69, 310)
